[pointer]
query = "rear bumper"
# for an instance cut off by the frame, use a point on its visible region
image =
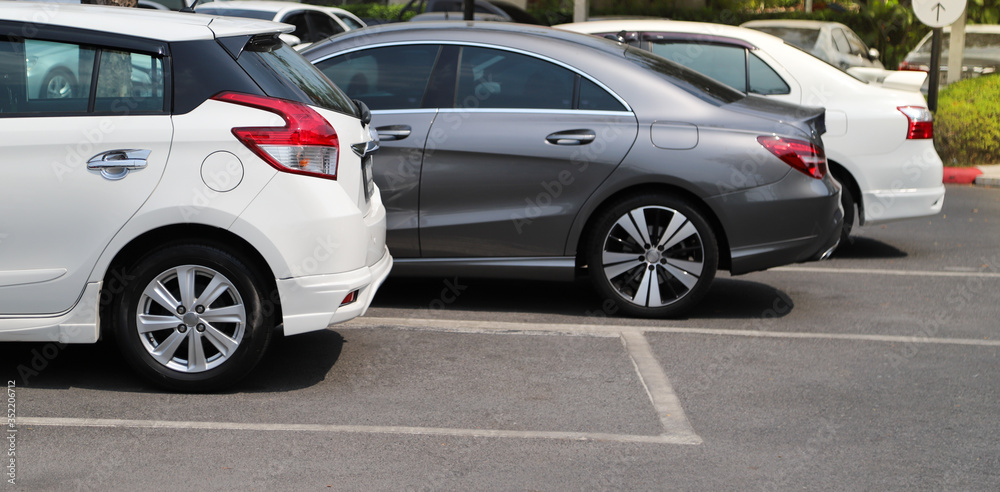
(898, 204)
(794, 220)
(312, 303)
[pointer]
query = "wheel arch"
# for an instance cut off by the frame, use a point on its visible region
(577, 240)
(839, 171)
(151, 240)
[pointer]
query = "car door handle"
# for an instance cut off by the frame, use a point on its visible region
(571, 137)
(116, 164)
(393, 132)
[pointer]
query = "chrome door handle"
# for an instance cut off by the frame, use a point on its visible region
(116, 164)
(571, 137)
(393, 132)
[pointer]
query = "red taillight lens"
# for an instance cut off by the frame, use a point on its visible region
(307, 144)
(350, 298)
(801, 155)
(921, 122)
(905, 65)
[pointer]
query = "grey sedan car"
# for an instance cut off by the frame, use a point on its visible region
(526, 152)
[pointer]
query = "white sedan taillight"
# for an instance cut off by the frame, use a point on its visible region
(307, 144)
(801, 155)
(921, 122)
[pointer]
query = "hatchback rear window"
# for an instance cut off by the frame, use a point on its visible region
(281, 72)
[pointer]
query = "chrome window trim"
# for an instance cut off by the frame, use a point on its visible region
(628, 108)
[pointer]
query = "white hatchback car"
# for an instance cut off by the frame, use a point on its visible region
(312, 23)
(878, 139)
(188, 215)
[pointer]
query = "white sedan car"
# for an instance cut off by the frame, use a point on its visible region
(184, 217)
(831, 42)
(879, 139)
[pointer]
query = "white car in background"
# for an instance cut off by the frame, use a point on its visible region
(831, 42)
(312, 23)
(879, 136)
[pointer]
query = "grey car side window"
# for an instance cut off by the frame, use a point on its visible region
(489, 78)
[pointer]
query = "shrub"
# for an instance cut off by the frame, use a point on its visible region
(967, 122)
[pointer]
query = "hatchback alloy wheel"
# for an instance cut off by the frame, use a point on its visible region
(193, 317)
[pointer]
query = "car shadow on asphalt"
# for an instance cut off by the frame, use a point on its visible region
(728, 298)
(860, 247)
(291, 363)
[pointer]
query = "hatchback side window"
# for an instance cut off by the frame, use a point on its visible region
(56, 77)
(763, 79)
(128, 82)
(727, 64)
(391, 77)
(48, 77)
(489, 78)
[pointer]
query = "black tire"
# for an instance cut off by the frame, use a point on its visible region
(59, 83)
(620, 267)
(193, 355)
(850, 209)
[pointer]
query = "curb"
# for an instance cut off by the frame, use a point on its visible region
(962, 175)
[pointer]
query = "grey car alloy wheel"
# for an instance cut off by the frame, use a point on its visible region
(58, 84)
(653, 256)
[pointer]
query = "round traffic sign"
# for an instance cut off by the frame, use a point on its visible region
(938, 13)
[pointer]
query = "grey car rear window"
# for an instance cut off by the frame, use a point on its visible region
(280, 71)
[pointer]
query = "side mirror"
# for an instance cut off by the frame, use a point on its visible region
(363, 112)
(290, 39)
(873, 54)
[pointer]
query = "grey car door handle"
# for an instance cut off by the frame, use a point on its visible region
(571, 137)
(116, 164)
(393, 132)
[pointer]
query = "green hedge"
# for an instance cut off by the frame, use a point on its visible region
(967, 122)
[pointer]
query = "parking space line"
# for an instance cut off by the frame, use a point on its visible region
(521, 328)
(661, 393)
(870, 271)
(353, 429)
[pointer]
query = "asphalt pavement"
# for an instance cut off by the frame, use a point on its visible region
(874, 370)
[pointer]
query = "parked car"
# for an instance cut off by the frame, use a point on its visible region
(492, 10)
(878, 140)
(188, 217)
(312, 23)
(831, 42)
(980, 57)
(517, 151)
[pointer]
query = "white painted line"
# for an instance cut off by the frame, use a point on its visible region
(867, 271)
(661, 393)
(353, 429)
(520, 328)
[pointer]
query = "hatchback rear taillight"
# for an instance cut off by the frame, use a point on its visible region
(307, 144)
(921, 122)
(803, 156)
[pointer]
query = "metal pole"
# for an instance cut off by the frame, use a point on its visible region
(932, 90)
(468, 9)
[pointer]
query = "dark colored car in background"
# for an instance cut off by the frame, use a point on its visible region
(526, 152)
